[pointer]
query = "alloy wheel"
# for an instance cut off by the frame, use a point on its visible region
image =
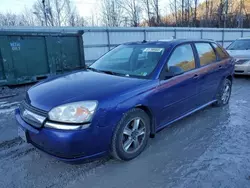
(133, 135)
(226, 94)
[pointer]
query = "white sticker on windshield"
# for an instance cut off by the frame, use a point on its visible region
(153, 50)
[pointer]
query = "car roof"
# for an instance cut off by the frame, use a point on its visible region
(244, 38)
(167, 42)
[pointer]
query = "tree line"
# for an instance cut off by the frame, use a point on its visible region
(136, 13)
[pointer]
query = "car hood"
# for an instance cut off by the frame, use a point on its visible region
(239, 54)
(79, 86)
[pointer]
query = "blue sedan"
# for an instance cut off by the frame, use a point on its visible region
(126, 96)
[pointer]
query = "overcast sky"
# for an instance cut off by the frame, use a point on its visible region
(85, 7)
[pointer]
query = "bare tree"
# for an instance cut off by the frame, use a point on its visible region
(176, 13)
(132, 10)
(225, 13)
(187, 12)
(195, 12)
(240, 17)
(147, 8)
(40, 12)
(27, 18)
(155, 6)
(72, 17)
(182, 11)
(59, 10)
(111, 13)
(52, 12)
(9, 19)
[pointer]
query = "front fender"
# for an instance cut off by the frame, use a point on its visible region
(117, 107)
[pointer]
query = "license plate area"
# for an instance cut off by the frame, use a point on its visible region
(22, 134)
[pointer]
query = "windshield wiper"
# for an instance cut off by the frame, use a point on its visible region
(93, 69)
(105, 71)
(108, 72)
(113, 73)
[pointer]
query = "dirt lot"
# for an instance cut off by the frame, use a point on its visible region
(208, 149)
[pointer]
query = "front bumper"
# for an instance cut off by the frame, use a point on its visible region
(69, 145)
(242, 69)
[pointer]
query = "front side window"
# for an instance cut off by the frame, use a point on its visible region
(206, 53)
(130, 60)
(243, 44)
(182, 58)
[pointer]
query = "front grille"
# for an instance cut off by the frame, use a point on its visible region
(239, 71)
(33, 109)
(32, 115)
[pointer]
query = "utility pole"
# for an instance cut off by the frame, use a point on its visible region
(45, 13)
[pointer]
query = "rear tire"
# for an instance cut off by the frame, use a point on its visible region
(131, 135)
(224, 93)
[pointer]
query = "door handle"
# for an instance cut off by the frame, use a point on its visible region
(196, 76)
(220, 67)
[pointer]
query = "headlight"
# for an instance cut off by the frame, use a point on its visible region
(78, 112)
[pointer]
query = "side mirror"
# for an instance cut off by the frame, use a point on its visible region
(173, 71)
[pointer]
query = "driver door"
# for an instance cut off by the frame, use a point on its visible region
(178, 94)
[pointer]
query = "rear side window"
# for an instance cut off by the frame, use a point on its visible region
(220, 52)
(183, 57)
(206, 53)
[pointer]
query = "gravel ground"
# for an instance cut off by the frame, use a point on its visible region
(207, 149)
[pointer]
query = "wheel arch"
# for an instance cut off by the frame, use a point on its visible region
(149, 112)
(230, 77)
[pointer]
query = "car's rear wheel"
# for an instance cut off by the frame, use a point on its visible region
(131, 135)
(224, 93)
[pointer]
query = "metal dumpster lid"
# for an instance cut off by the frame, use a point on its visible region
(34, 31)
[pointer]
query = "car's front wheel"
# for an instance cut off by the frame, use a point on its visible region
(131, 135)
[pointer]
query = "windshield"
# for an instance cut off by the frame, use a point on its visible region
(130, 60)
(240, 45)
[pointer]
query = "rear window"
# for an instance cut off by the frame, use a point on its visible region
(220, 52)
(206, 53)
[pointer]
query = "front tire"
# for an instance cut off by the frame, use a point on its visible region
(224, 93)
(131, 135)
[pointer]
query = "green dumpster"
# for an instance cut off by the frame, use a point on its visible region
(28, 56)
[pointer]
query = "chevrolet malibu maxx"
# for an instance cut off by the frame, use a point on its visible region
(126, 96)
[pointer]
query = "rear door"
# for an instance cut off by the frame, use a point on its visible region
(210, 72)
(177, 95)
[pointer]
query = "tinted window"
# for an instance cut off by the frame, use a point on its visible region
(240, 45)
(183, 57)
(220, 52)
(206, 53)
